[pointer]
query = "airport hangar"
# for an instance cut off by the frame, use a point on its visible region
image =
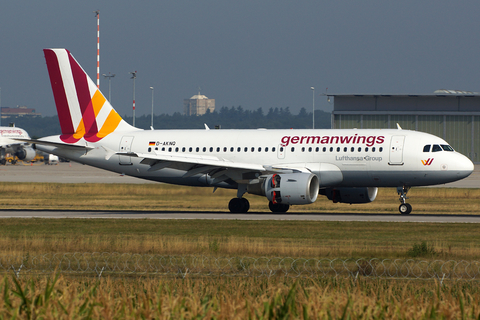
(450, 114)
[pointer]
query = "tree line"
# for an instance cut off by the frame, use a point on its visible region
(225, 118)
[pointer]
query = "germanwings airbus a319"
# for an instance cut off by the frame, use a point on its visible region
(9, 144)
(288, 167)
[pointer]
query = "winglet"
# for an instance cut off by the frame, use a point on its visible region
(398, 127)
(206, 127)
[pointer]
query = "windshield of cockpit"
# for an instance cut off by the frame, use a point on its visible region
(437, 148)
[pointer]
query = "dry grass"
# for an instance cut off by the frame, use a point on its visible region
(235, 298)
(238, 238)
(162, 197)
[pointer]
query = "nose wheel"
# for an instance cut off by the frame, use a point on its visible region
(404, 208)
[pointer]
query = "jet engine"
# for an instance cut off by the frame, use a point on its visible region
(289, 188)
(25, 153)
(350, 195)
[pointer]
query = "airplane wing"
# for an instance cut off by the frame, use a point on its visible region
(218, 168)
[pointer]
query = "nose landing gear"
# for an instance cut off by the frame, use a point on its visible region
(404, 208)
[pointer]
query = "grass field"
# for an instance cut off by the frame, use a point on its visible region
(225, 298)
(238, 237)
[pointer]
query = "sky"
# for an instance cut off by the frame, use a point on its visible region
(253, 54)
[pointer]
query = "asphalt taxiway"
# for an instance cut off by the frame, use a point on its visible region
(229, 216)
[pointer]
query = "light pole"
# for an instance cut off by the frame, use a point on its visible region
(151, 125)
(110, 76)
(313, 106)
(134, 76)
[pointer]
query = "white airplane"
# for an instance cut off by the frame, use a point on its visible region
(288, 167)
(8, 144)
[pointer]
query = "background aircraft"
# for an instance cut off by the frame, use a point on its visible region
(8, 144)
(288, 167)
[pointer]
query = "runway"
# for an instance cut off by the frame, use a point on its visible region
(77, 173)
(53, 214)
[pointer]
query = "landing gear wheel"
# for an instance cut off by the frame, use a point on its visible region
(278, 207)
(405, 208)
(238, 205)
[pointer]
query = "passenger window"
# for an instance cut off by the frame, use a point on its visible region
(190, 149)
(281, 149)
(426, 148)
(183, 149)
(373, 149)
(170, 149)
(156, 148)
(436, 148)
(211, 149)
(259, 149)
(359, 149)
(204, 149)
(317, 149)
(303, 149)
(446, 147)
(197, 149)
(238, 149)
(266, 149)
(246, 149)
(380, 149)
(163, 148)
(149, 149)
(224, 149)
(310, 149)
(338, 149)
(293, 149)
(253, 149)
(331, 149)
(231, 149)
(324, 149)
(353, 149)
(176, 149)
(218, 149)
(345, 149)
(366, 149)
(273, 149)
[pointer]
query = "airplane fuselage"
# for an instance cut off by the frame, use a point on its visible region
(340, 158)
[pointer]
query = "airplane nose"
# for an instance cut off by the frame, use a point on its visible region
(463, 166)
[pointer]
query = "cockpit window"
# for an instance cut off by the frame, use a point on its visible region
(426, 148)
(446, 147)
(436, 148)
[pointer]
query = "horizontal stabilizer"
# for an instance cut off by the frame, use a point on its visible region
(56, 144)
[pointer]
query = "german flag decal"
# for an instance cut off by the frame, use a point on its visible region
(151, 143)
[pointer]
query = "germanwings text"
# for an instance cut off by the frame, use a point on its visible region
(356, 139)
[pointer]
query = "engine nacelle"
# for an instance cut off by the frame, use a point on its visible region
(25, 153)
(351, 195)
(289, 188)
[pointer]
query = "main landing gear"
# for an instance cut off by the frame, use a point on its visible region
(241, 205)
(404, 208)
(238, 205)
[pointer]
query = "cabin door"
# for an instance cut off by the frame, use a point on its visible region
(125, 146)
(396, 150)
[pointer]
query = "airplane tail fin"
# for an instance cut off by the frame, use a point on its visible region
(82, 109)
